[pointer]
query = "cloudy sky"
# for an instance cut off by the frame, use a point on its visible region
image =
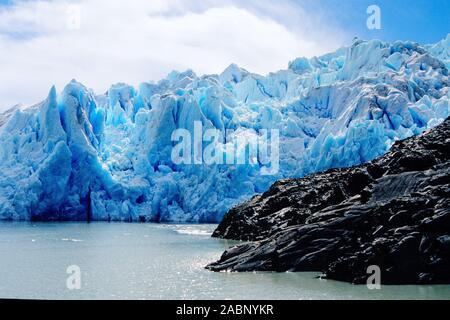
(101, 42)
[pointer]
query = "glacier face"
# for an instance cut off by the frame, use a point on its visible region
(81, 156)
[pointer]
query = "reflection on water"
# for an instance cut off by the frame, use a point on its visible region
(150, 261)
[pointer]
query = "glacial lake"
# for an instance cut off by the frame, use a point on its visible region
(152, 261)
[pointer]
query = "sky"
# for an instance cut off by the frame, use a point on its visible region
(102, 42)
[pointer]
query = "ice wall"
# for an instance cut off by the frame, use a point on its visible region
(81, 156)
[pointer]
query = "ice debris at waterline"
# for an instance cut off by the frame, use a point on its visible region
(81, 156)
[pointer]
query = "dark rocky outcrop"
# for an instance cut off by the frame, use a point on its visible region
(393, 212)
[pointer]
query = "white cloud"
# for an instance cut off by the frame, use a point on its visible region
(138, 40)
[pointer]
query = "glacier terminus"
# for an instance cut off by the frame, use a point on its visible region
(80, 156)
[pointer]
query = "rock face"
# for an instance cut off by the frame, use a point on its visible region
(393, 212)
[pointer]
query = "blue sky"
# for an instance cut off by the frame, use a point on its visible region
(140, 40)
(424, 21)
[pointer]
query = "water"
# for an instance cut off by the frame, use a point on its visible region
(150, 261)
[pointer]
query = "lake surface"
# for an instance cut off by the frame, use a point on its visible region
(151, 261)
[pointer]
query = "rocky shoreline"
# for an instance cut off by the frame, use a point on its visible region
(393, 212)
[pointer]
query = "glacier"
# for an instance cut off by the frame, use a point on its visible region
(82, 156)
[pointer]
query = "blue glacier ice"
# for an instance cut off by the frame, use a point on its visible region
(82, 156)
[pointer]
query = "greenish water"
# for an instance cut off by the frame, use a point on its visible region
(150, 261)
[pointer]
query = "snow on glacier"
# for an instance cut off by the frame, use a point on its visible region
(81, 156)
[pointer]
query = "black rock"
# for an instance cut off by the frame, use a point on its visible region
(393, 212)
